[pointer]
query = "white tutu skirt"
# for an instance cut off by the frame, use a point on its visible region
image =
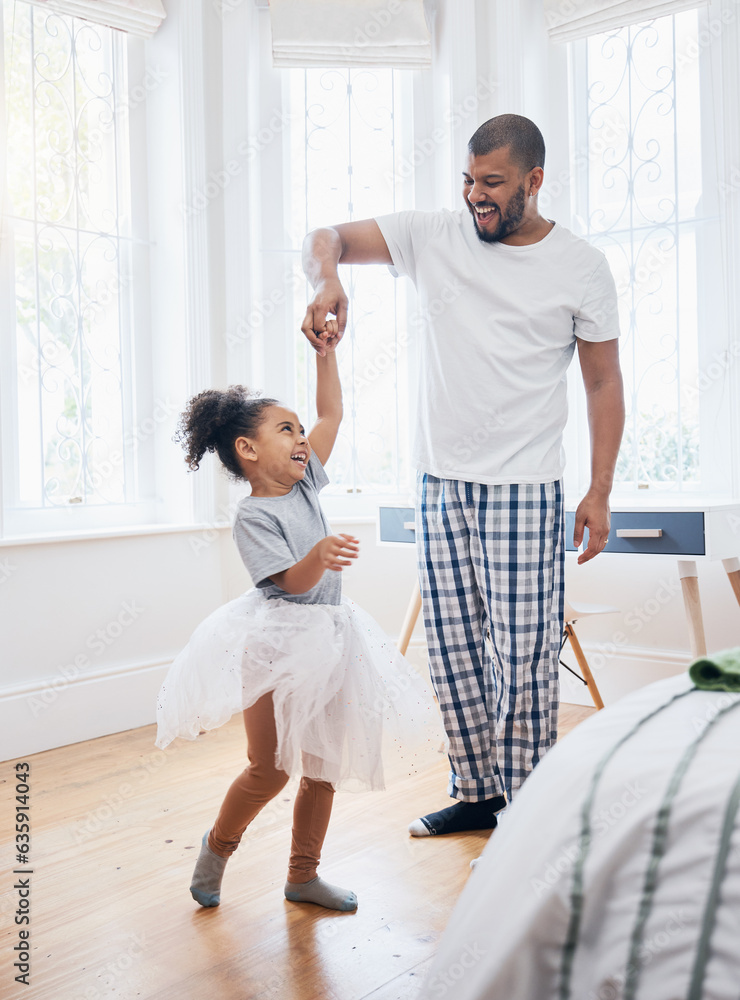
(342, 692)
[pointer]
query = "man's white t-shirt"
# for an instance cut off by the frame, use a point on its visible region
(497, 327)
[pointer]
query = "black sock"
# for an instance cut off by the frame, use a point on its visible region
(462, 816)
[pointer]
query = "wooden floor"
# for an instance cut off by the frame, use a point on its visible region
(116, 829)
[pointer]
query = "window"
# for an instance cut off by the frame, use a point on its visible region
(345, 163)
(646, 193)
(330, 146)
(70, 249)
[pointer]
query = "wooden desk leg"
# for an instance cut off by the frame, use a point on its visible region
(692, 602)
(583, 664)
(732, 568)
(412, 613)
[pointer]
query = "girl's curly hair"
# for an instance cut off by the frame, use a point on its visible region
(214, 419)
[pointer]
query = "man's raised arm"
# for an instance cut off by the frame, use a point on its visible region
(323, 250)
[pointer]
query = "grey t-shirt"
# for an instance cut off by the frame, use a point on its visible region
(274, 533)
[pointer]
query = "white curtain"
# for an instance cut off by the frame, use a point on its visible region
(390, 33)
(138, 17)
(568, 20)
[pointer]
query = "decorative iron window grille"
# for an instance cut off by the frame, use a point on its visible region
(643, 193)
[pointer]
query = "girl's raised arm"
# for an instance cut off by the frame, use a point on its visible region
(323, 434)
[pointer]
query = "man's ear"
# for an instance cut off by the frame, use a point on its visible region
(245, 449)
(534, 180)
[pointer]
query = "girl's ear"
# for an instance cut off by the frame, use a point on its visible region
(245, 449)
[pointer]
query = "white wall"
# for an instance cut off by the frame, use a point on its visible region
(88, 627)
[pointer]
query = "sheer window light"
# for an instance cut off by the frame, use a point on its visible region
(645, 193)
(345, 163)
(68, 422)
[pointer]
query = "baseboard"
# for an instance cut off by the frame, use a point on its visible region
(73, 708)
(64, 710)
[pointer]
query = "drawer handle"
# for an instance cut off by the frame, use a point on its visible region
(409, 526)
(639, 532)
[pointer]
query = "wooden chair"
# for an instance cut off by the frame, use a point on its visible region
(572, 612)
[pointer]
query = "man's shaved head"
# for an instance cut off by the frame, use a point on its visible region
(519, 134)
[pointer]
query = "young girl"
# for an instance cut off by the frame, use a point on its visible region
(316, 679)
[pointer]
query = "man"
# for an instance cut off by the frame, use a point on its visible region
(513, 294)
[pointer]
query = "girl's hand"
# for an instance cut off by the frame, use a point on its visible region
(324, 334)
(336, 551)
(328, 338)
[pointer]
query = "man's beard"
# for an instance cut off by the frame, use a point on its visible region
(511, 221)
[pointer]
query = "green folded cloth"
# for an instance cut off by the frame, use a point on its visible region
(718, 672)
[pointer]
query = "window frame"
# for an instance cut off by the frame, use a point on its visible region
(433, 185)
(139, 507)
(338, 498)
(713, 332)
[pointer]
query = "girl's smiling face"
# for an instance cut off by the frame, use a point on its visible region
(279, 454)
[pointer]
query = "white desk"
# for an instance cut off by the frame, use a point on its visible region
(690, 529)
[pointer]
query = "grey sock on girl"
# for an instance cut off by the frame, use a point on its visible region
(205, 887)
(322, 893)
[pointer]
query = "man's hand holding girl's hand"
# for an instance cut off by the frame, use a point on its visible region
(336, 551)
(329, 336)
(324, 334)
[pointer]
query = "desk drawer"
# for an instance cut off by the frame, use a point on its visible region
(682, 532)
(392, 521)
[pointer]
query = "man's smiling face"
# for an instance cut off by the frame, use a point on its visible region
(494, 191)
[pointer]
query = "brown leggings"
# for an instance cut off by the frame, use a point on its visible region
(262, 781)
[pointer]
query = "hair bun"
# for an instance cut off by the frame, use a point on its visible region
(214, 419)
(226, 402)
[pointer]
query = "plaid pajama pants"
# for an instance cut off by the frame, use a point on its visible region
(491, 561)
